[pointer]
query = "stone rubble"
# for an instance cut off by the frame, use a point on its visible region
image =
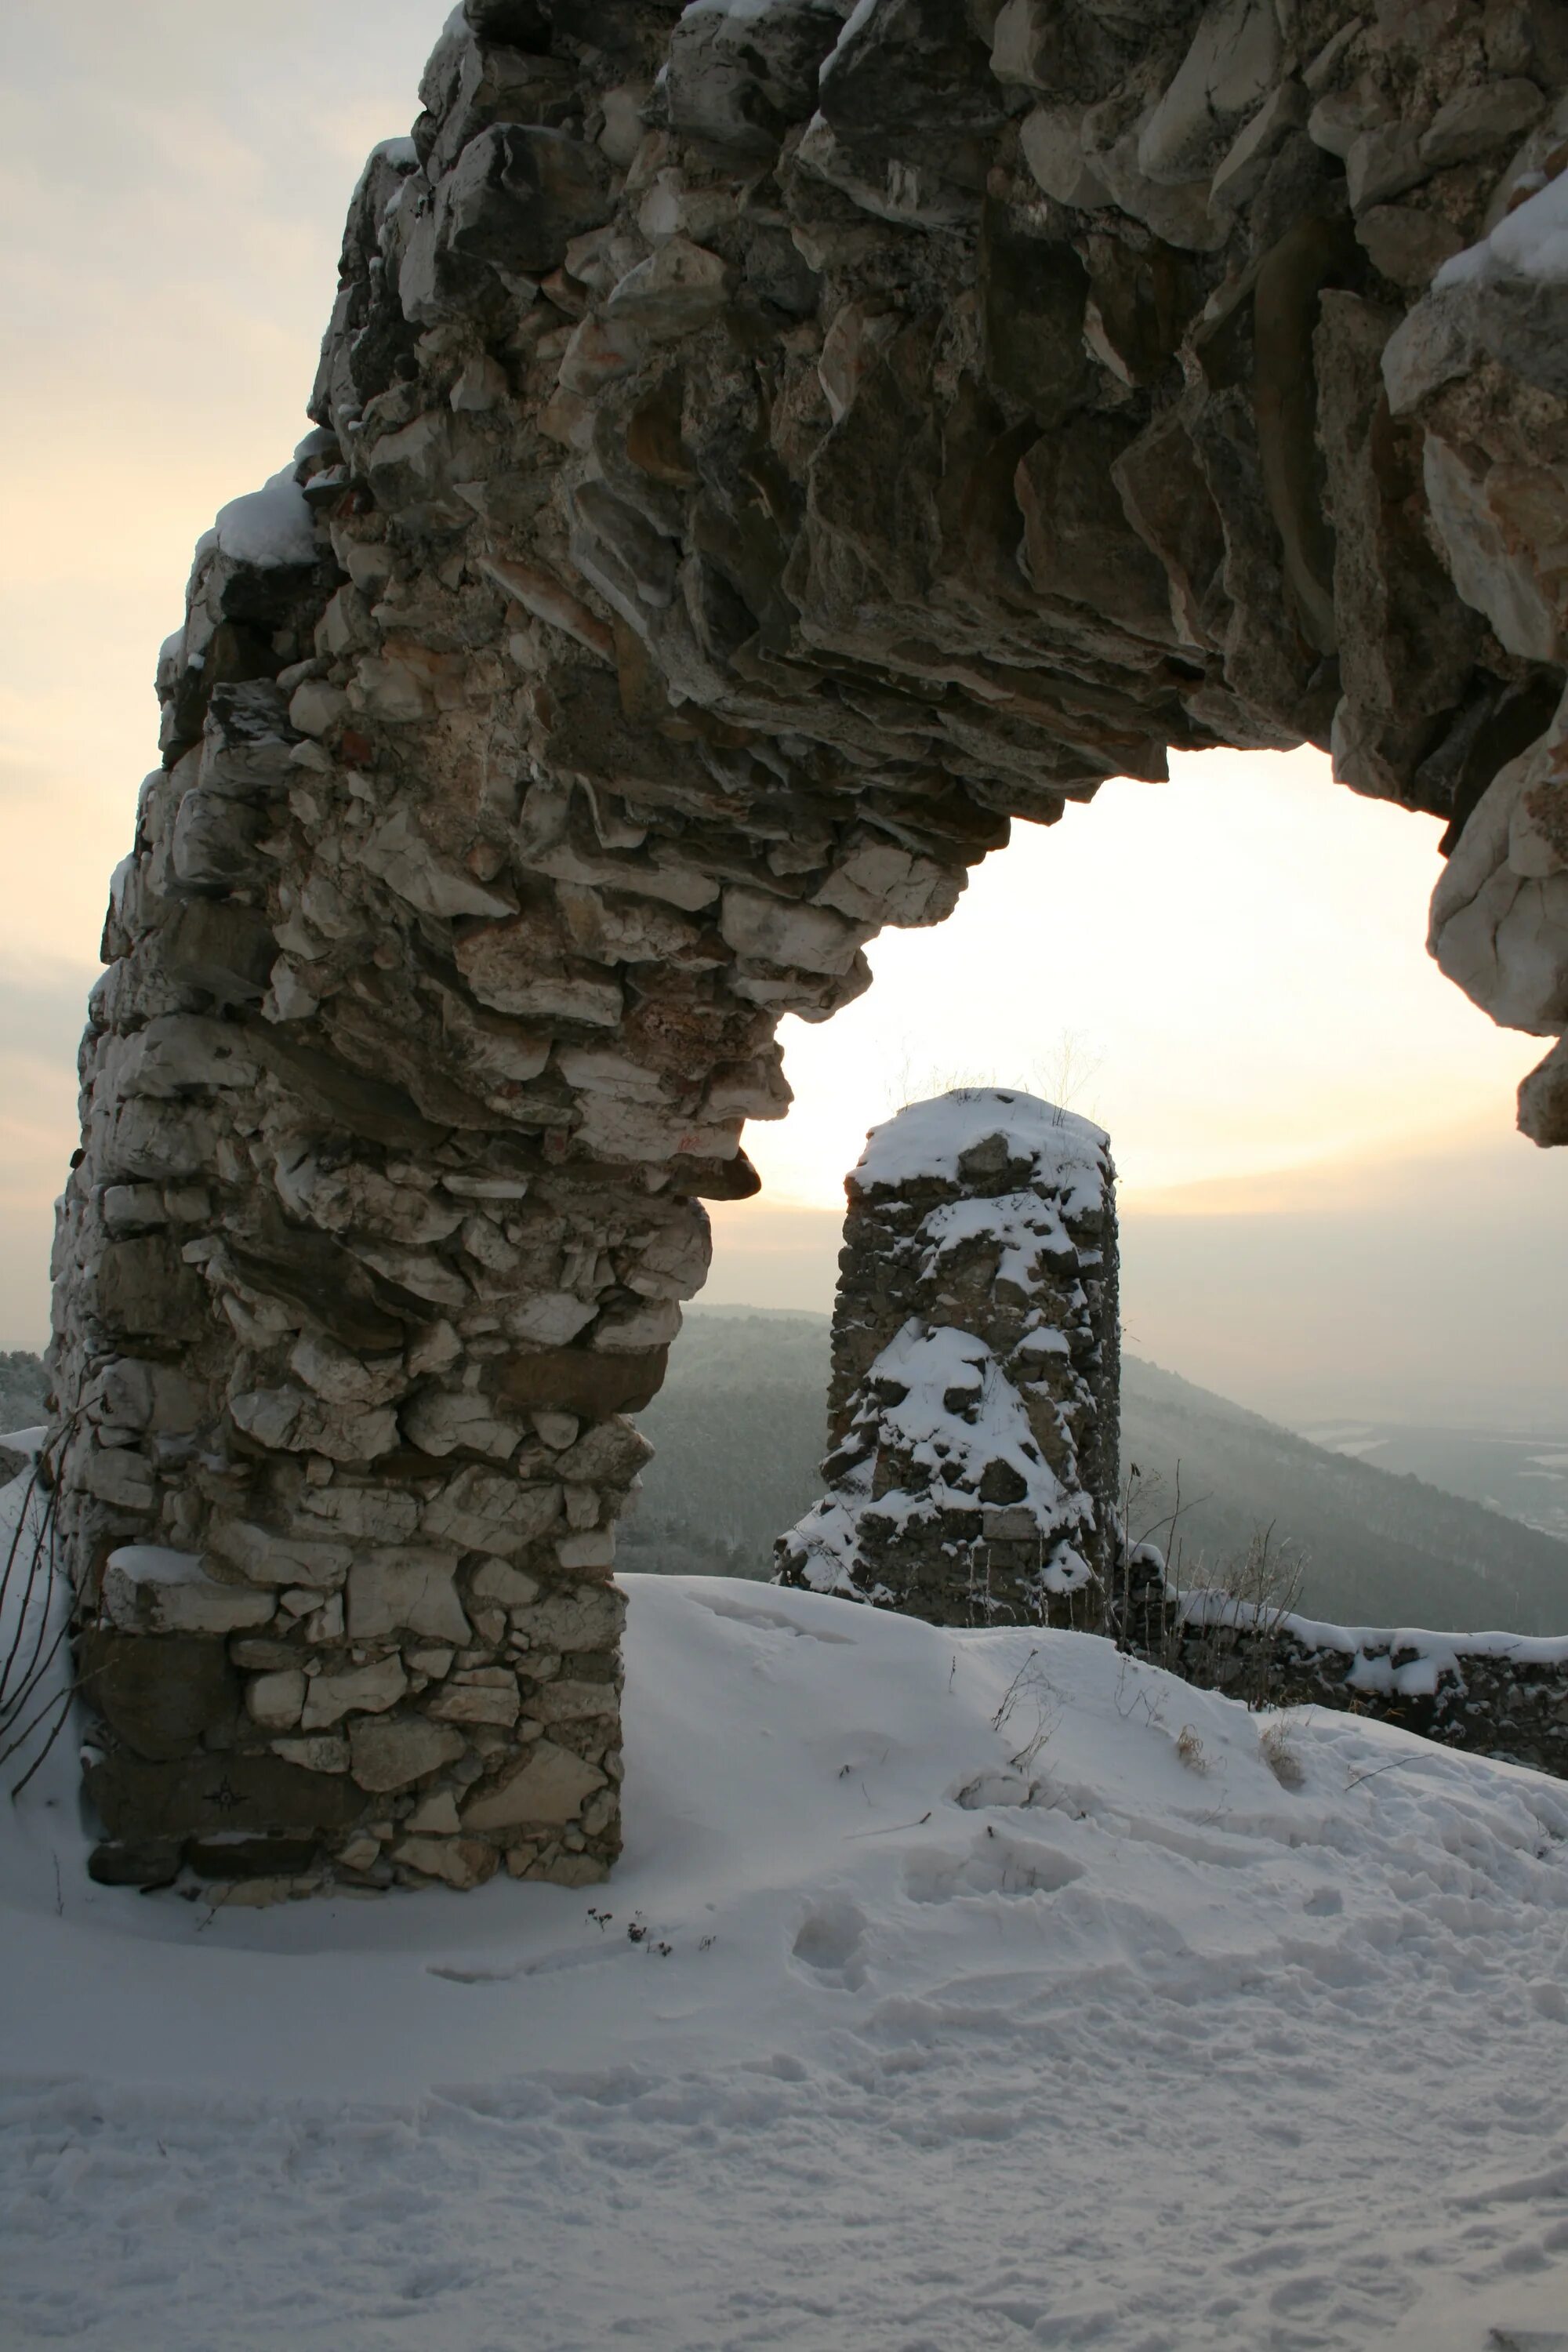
(759, 451)
(973, 1415)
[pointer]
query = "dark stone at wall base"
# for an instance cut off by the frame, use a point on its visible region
(247, 1857)
(159, 1693)
(144, 1863)
(213, 1794)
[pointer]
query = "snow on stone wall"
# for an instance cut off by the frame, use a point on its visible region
(1502, 1695)
(973, 1413)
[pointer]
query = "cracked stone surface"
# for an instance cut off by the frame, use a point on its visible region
(758, 451)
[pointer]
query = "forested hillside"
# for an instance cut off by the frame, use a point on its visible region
(739, 1428)
(23, 1386)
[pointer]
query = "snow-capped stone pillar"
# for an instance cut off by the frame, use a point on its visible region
(973, 1412)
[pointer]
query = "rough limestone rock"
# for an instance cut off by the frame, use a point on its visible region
(760, 449)
(973, 1414)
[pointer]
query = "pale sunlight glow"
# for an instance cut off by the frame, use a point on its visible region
(1227, 970)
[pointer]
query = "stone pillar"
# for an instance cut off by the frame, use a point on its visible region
(973, 1410)
(393, 1130)
(441, 976)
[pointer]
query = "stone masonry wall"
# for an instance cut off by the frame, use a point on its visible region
(972, 1412)
(759, 451)
(1491, 1693)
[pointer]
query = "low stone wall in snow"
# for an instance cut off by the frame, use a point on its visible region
(1501, 1695)
(973, 1415)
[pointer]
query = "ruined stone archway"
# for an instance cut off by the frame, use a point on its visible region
(761, 450)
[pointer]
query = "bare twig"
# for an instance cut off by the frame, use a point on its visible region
(1011, 1693)
(62, 1700)
(1379, 1770)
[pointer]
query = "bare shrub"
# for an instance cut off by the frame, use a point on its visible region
(1261, 1588)
(1058, 1074)
(1145, 1615)
(1190, 1751)
(1030, 1692)
(1281, 1758)
(35, 1696)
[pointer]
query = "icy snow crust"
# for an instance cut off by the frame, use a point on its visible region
(1426, 1658)
(957, 2012)
(271, 526)
(929, 1138)
(1020, 1223)
(944, 1406)
(1529, 242)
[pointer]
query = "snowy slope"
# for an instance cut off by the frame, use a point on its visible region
(942, 2005)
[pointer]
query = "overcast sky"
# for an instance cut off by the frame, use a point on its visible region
(1325, 1202)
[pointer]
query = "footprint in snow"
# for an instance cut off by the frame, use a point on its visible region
(999, 1787)
(829, 1942)
(431, 2279)
(766, 1621)
(995, 1865)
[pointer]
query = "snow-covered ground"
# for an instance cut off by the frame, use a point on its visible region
(956, 1990)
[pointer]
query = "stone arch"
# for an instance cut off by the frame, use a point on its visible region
(760, 451)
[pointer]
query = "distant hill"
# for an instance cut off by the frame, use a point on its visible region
(1523, 1474)
(739, 1431)
(24, 1384)
(1379, 1548)
(739, 1428)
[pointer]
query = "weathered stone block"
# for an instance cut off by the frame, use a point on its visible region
(569, 1620)
(579, 1380)
(159, 1696)
(390, 1751)
(457, 1702)
(405, 1591)
(549, 1788)
(212, 1795)
(263, 1558)
(370, 1688)
(461, 1862)
(150, 1590)
(518, 195)
(144, 1291)
(276, 1700)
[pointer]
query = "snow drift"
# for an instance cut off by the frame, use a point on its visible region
(958, 1990)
